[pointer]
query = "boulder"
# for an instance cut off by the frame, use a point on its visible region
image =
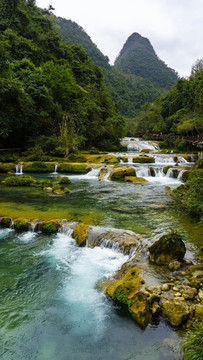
(80, 233)
(103, 172)
(135, 179)
(140, 309)
(129, 171)
(176, 311)
(189, 293)
(168, 248)
(117, 174)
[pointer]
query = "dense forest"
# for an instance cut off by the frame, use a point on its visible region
(178, 112)
(51, 93)
(129, 90)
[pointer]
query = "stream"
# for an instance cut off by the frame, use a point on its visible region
(50, 307)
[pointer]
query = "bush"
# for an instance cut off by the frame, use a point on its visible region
(64, 180)
(38, 167)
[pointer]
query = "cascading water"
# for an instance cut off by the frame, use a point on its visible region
(19, 169)
(138, 145)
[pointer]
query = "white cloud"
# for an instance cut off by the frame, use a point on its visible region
(174, 27)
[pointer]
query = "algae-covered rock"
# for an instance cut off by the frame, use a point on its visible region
(80, 233)
(168, 248)
(60, 189)
(7, 167)
(129, 171)
(143, 159)
(74, 168)
(103, 172)
(176, 311)
(5, 221)
(135, 179)
(140, 309)
(51, 226)
(117, 174)
(124, 159)
(21, 224)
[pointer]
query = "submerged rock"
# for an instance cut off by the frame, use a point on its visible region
(168, 248)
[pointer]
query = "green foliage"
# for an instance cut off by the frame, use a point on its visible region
(63, 180)
(178, 112)
(38, 167)
(21, 225)
(24, 180)
(50, 227)
(193, 344)
(122, 298)
(190, 195)
(43, 79)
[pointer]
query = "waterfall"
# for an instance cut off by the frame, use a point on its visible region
(143, 172)
(130, 159)
(19, 169)
(170, 173)
(56, 169)
(164, 159)
(180, 175)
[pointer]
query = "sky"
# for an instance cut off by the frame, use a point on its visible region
(174, 27)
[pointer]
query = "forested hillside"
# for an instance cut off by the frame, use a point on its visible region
(50, 91)
(138, 57)
(128, 91)
(178, 112)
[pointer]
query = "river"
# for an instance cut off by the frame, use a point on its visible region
(50, 307)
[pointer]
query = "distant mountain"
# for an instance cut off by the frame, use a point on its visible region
(138, 58)
(73, 33)
(128, 90)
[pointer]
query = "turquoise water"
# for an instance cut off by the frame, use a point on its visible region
(50, 308)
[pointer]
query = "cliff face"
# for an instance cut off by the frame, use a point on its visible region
(138, 57)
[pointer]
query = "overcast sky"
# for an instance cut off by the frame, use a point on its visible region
(174, 27)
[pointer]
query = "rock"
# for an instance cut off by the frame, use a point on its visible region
(140, 309)
(129, 171)
(200, 295)
(199, 311)
(174, 265)
(189, 293)
(155, 308)
(117, 174)
(165, 287)
(196, 270)
(51, 226)
(5, 221)
(21, 224)
(143, 159)
(135, 179)
(103, 172)
(47, 189)
(80, 233)
(168, 248)
(175, 288)
(154, 289)
(124, 159)
(178, 294)
(176, 310)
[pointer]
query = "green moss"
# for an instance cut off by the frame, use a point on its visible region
(5, 168)
(73, 168)
(165, 169)
(135, 179)
(38, 167)
(60, 189)
(80, 233)
(50, 227)
(24, 180)
(63, 180)
(98, 159)
(120, 296)
(5, 221)
(21, 225)
(143, 159)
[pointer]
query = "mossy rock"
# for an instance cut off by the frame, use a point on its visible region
(168, 248)
(140, 309)
(129, 171)
(117, 174)
(135, 179)
(80, 233)
(143, 159)
(21, 224)
(63, 180)
(38, 167)
(6, 167)
(98, 159)
(102, 173)
(24, 180)
(74, 168)
(146, 151)
(5, 221)
(152, 171)
(165, 168)
(124, 159)
(50, 227)
(60, 189)
(176, 311)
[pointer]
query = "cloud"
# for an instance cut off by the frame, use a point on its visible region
(174, 27)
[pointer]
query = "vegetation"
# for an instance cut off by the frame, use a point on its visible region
(139, 58)
(190, 195)
(193, 344)
(49, 88)
(129, 90)
(180, 112)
